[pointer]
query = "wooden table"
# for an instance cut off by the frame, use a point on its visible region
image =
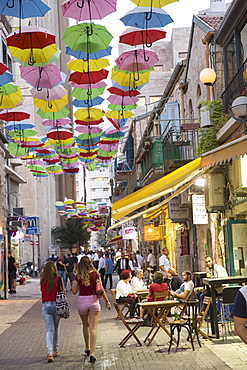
(159, 321)
(211, 283)
(142, 294)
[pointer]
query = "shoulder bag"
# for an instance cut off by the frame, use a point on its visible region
(62, 306)
(99, 290)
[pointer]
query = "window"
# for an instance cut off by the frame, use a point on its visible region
(191, 110)
(105, 189)
(182, 54)
(158, 68)
(142, 101)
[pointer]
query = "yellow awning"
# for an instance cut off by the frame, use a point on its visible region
(155, 190)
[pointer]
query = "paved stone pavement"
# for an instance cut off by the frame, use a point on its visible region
(22, 342)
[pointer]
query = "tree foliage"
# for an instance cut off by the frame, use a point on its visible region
(72, 233)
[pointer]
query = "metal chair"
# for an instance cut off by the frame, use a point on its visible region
(226, 303)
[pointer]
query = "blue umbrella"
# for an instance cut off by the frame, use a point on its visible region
(141, 17)
(22, 125)
(6, 78)
(89, 148)
(24, 8)
(83, 55)
(127, 88)
(88, 103)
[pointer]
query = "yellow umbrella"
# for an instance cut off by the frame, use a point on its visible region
(11, 100)
(89, 114)
(51, 105)
(80, 65)
(118, 114)
(130, 79)
(37, 55)
(153, 3)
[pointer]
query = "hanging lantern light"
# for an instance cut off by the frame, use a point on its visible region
(208, 76)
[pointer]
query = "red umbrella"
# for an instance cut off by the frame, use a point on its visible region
(59, 134)
(97, 85)
(136, 36)
(89, 123)
(116, 91)
(3, 68)
(31, 37)
(88, 78)
(15, 114)
(71, 170)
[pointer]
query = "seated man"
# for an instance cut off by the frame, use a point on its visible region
(213, 271)
(185, 292)
(240, 313)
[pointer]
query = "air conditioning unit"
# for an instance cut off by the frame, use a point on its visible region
(239, 176)
(205, 116)
(214, 192)
(184, 199)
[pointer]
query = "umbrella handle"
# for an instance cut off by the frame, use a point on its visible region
(11, 6)
(49, 104)
(1, 100)
(82, 4)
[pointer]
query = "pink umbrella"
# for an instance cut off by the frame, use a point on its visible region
(97, 85)
(137, 60)
(88, 130)
(122, 100)
(55, 123)
(55, 93)
(42, 77)
(108, 147)
(83, 10)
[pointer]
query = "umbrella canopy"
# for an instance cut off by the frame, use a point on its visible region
(54, 115)
(87, 78)
(42, 77)
(119, 114)
(11, 100)
(34, 56)
(5, 78)
(56, 123)
(31, 37)
(59, 134)
(130, 79)
(88, 103)
(88, 123)
(89, 114)
(119, 92)
(97, 85)
(80, 36)
(137, 60)
(81, 94)
(81, 65)
(15, 114)
(54, 93)
(22, 125)
(54, 169)
(24, 9)
(122, 100)
(153, 3)
(83, 10)
(127, 88)
(54, 58)
(8, 89)
(142, 17)
(84, 55)
(136, 36)
(51, 105)
(3, 68)
(117, 107)
(16, 150)
(89, 130)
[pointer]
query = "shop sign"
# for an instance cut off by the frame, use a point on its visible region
(129, 233)
(177, 214)
(152, 233)
(200, 216)
(33, 226)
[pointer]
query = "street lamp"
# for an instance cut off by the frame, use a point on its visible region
(208, 76)
(238, 110)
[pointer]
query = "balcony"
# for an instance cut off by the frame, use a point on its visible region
(152, 162)
(179, 149)
(238, 83)
(123, 171)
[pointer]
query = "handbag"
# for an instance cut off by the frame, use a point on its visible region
(99, 290)
(131, 297)
(62, 306)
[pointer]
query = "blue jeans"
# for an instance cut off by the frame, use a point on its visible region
(52, 323)
(63, 276)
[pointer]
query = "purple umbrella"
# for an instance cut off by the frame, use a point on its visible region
(56, 123)
(83, 10)
(122, 100)
(137, 60)
(88, 130)
(42, 77)
(55, 93)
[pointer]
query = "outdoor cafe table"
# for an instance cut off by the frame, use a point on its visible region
(211, 285)
(159, 320)
(142, 294)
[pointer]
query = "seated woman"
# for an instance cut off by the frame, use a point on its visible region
(157, 286)
(124, 289)
(175, 281)
(137, 281)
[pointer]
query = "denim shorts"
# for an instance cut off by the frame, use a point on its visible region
(87, 303)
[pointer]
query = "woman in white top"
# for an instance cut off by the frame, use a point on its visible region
(137, 282)
(123, 289)
(133, 263)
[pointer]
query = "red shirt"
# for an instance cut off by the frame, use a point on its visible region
(157, 288)
(91, 289)
(52, 295)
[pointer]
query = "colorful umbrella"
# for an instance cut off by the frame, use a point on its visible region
(88, 78)
(54, 115)
(59, 134)
(127, 88)
(56, 123)
(81, 65)
(136, 60)
(135, 36)
(116, 107)
(84, 55)
(8, 89)
(119, 114)
(22, 133)
(153, 3)
(3, 68)
(34, 56)
(22, 125)
(142, 17)
(82, 94)
(54, 58)
(89, 114)
(16, 150)
(51, 105)
(97, 85)
(83, 10)
(119, 92)
(55, 93)
(130, 79)
(88, 123)
(42, 77)
(11, 100)
(88, 103)
(89, 130)
(122, 100)
(6, 78)
(24, 9)
(56, 169)
(88, 37)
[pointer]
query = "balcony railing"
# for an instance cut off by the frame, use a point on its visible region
(153, 158)
(237, 84)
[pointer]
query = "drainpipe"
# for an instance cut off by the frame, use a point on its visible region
(208, 66)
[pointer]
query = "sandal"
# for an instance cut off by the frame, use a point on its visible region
(50, 358)
(56, 353)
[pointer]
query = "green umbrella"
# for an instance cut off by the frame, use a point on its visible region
(16, 150)
(36, 168)
(92, 166)
(120, 107)
(85, 94)
(54, 168)
(63, 113)
(22, 133)
(104, 153)
(87, 37)
(8, 89)
(66, 151)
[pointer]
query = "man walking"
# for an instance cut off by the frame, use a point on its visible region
(164, 262)
(11, 273)
(122, 264)
(151, 261)
(108, 269)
